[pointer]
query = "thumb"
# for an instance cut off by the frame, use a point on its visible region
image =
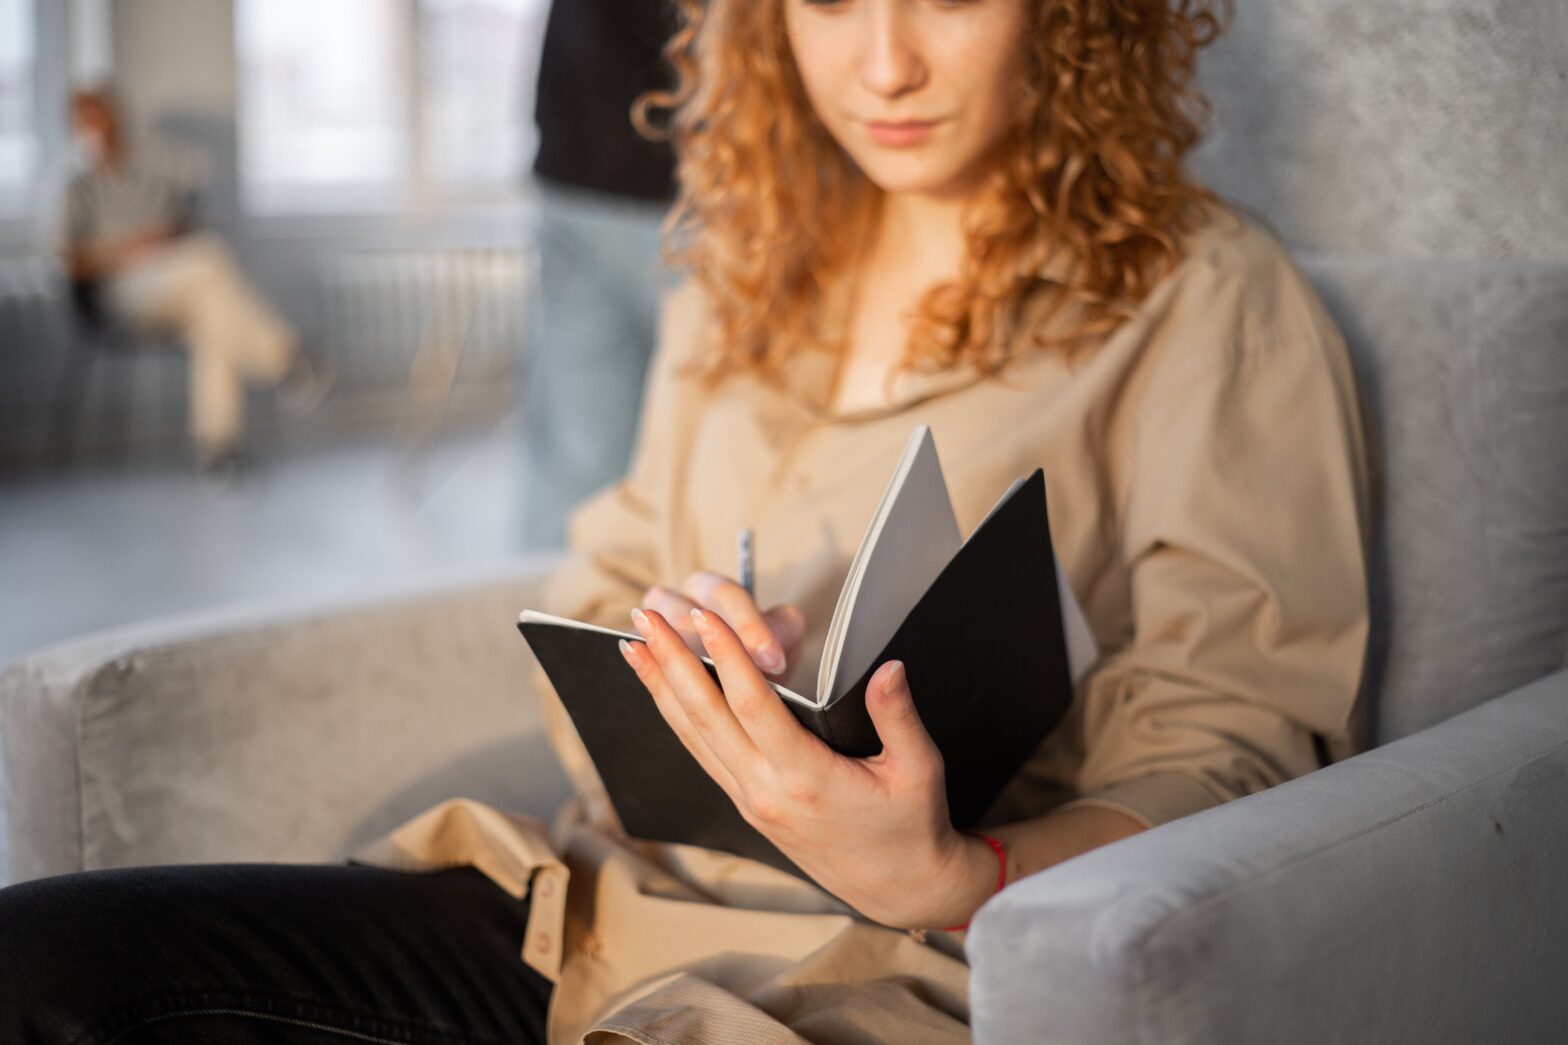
(891, 706)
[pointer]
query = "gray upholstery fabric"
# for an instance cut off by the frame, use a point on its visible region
(1410, 894)
(1403, 128)
(274, 736)
(1465, 369)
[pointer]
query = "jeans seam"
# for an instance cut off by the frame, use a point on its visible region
(250, 1014)
(191, 1001)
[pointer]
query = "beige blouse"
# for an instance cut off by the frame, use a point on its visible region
(1207, 484)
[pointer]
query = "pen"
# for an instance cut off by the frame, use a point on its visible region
(747, 564)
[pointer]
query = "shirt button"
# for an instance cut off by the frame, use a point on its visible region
(591, 946)
(546, 886)
(543, 943)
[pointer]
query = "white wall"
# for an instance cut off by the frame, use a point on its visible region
(176, 56)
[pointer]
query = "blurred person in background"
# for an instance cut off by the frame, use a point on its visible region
(134, 257)
(603, 192)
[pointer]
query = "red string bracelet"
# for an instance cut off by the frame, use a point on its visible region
(1001, 870)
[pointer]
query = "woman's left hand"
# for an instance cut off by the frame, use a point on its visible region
(873, 831)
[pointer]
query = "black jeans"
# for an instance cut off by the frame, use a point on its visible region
(240, 954)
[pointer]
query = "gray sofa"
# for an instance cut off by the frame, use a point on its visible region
(1414, 893)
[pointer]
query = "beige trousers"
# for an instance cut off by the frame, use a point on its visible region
(193, 289)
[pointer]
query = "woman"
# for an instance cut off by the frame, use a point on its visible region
(970, 215)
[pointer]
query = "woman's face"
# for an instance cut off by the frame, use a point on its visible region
(916, 91)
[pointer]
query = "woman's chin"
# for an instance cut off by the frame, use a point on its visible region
(914, 176)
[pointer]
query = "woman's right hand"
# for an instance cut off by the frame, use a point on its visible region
(772, 637)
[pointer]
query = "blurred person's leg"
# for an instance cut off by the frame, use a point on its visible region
(256, 339)
(240, 954)
(217, 403)
(594, 326)
(193, 288)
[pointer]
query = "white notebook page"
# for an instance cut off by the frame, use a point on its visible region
(912, 537)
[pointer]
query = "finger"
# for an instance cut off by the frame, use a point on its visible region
(778, 736)
(707, 711)
(906, 745)
(734, 603)
(788, 624)
(648, 673)
(676, 609)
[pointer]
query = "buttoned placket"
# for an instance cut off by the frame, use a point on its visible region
(788, 481)
(542, 939)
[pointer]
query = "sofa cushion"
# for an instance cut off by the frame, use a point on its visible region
(1464, 367)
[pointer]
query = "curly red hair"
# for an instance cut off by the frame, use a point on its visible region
(771, 208)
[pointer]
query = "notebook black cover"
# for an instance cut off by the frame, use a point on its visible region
(987, 663)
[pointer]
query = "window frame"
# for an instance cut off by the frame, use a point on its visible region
(27, 219)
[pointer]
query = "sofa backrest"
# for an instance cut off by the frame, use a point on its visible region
(1464, 373)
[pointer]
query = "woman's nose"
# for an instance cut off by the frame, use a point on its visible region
(891, 64)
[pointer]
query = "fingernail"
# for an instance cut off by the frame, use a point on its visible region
(701, 621)
(895, 678)
(640, 620)
(626, 650)
(770, 658)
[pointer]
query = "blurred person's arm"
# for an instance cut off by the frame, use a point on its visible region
(90, 256)
(101, 259)
(621, 540)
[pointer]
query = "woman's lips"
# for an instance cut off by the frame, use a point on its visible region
(900, 135)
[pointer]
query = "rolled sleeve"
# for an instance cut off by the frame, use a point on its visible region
(1244, 535)
(1151, 800)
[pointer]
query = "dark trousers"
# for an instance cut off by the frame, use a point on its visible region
(240, 954)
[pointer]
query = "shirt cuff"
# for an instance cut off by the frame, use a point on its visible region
(1151, 800)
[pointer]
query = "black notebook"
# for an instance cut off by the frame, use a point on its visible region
(979, 625)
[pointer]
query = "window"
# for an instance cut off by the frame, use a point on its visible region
(321, 101)
(351, 104)
(18, 146)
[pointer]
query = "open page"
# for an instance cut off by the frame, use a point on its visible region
(911, 538)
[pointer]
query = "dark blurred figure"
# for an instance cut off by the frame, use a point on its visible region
(134, 257)
(603, 191)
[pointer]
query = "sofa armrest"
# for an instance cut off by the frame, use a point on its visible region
(1413, 893)
(291, 735)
